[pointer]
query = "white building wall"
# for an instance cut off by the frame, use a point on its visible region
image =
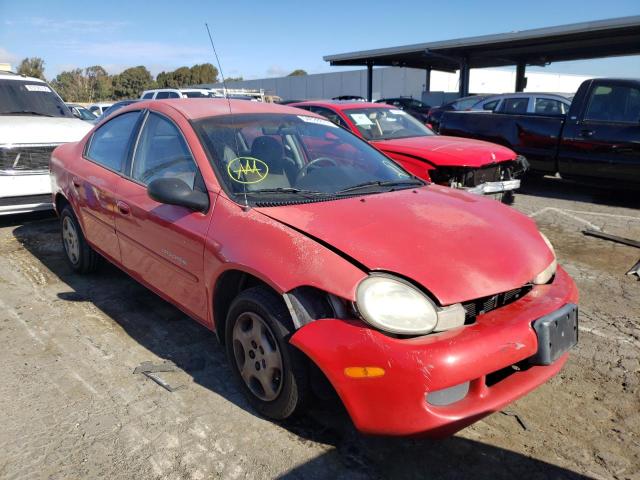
(410, 82)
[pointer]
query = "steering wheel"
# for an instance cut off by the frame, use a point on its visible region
(314, 163)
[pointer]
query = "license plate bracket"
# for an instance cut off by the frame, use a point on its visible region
(557, 332)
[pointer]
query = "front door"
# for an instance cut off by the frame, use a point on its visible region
(604, 142)
(163, 245)
(97, 177)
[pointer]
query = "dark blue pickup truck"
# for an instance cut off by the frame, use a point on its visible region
(598, 139)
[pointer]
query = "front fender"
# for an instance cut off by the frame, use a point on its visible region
(249, 241)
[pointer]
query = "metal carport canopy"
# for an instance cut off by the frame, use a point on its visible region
(540, 46)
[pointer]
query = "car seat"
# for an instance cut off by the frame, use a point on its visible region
(282, 171)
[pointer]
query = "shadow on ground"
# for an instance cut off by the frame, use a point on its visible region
(167, 332)
(552, 187)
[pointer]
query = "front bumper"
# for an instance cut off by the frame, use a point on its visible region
(494, 187)
(25, 193)
(395, 403)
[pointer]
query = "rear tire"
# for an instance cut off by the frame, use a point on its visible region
(272, 373)
(80, 256)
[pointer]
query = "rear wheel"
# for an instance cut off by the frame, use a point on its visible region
(80, 256)
(272, 373)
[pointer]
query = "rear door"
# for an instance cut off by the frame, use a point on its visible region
(604, 141)
(96, 180)
(163, 245)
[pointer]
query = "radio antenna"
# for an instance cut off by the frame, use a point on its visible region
(226, 95)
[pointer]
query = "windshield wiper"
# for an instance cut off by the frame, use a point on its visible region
(27, 112)
(380, 183)
(288, 190)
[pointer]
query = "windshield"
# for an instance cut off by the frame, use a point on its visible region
(466, 103)
(85, 114)
(23, 97)
(386, 123)
(196, 94)
(275, 155)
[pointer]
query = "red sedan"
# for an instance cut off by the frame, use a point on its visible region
(472, 165)
(299, 244)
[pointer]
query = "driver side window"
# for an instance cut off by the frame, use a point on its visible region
(162, 152)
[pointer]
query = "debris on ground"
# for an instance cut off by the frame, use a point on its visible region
(509, 413)
(149, 369)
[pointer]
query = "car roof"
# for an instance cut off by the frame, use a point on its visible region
(342, 105)
(527, 95)
(196, 108)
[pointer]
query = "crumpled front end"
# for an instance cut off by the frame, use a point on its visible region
(437, 384)
(491, 179)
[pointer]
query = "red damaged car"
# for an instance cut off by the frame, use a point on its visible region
(304, 248)
(472, 165)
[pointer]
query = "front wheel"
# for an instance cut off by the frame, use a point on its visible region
(80, 256)
(272, 373)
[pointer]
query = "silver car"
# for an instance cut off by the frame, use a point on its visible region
(526, 103)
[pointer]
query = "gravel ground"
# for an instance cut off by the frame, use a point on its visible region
(71, 407)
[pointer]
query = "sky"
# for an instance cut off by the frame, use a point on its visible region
(267, 39)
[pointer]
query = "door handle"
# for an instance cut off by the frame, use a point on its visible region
(123, 208)
(586, 133)
(76, 182)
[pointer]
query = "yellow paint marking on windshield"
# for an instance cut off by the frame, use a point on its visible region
(247, 170)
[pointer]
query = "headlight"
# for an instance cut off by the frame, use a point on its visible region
(544, 276)
(396, 306)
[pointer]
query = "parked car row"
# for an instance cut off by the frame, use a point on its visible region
(319, 261)
(597, 140)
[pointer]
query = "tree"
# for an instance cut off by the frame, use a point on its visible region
(131, 82)
(72, 86)
(233, 79)
(204, 73)
(98, 83)
(185, 76)
(297, 73)
(32, 67)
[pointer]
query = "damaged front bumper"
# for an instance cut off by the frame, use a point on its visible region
(494, 187)
(436, 384)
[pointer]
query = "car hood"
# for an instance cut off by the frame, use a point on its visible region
(32, 129)
(459, 246)
(446, 151)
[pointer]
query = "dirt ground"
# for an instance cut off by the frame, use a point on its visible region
(71, 407)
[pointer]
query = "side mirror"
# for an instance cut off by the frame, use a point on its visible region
(174, 191)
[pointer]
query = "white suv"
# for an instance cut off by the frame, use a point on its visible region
(33, 121)
(160, 93)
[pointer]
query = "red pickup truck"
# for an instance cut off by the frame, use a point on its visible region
(425, 307)
(472, 165)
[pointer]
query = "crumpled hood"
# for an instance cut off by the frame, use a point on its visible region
(459, 246)
(17, 129)
(448, 151)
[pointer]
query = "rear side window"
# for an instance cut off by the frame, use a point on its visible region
(515, 105)
(162, 152)
(109, 145)
(147, 96)
(614, 103)
(549, 106)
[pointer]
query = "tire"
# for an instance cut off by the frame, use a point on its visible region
(80, 256)
(271, 373)
(508, 197)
